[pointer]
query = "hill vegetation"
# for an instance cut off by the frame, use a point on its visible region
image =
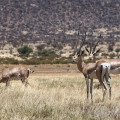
(53, 25)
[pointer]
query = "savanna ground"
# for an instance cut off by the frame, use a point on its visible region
(57, 92)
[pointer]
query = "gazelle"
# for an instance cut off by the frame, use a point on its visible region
(15, 73)
(93, 52)
(89, 70)
(114, 63)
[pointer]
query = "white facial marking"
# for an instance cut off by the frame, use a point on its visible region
(75, 57)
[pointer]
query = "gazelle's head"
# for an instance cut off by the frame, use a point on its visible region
(92, 55)
(79, 53)
(30, 71)
(92, 52)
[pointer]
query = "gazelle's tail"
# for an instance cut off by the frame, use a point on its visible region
(105, 70)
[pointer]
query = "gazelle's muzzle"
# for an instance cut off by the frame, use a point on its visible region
(30, 71)
(73, 60)
(90, 58)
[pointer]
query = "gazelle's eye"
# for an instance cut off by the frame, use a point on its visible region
(78, 55)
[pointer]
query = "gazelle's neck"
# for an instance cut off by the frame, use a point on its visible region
(94, 59)
(0, 77)
(80, 64)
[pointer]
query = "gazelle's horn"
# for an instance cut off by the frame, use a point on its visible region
(96, 44)
(87, 50)
(82, 43)
(76, 43)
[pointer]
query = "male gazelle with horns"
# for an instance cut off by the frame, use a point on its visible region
(89, 70)
(114, 63)
(93, 52)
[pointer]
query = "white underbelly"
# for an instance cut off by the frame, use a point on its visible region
(115, 71)
(93, 75)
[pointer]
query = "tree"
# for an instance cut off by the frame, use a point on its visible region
(25, 51)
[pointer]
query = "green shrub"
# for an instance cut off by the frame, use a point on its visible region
(41, 47)
(46, 53)
(36, 61)
(117, 50)
(9, 61)
(62, 60)
(25, 51)
(105, 55)
(112, 55)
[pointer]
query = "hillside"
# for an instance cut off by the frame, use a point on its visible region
(46, 21)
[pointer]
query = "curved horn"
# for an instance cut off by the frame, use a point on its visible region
(76, 43)
(87, 50)
(83, 40)
(97, 44)
(97, 51)
(90, 47)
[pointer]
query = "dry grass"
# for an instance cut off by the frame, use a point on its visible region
(59, 96)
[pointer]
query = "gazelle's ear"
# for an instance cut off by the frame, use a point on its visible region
(87, 50)
(97, 51)
(82, 52)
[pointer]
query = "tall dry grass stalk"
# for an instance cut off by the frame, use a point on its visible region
(57, 98)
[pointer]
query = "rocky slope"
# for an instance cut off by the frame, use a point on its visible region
(26, 21)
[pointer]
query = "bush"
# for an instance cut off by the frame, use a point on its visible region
(112, 55)
(8, 61)
(25, 51)
(110, 48)
(62, 60)
(117, 50)
(105, 55)
(46, 53)
(40, 47)
(32, 61)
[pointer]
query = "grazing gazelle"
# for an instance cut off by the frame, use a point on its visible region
(89, 70)
(15, 73)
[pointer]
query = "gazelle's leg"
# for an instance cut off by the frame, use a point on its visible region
(107, 78)
(24, 81)
(87, 84)
(91, 86)
(106, 69)
(8, 83)
(101, 80)
(101, 76)
(105, 89)
(27, 83)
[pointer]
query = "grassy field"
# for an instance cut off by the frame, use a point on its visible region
(57, 92)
